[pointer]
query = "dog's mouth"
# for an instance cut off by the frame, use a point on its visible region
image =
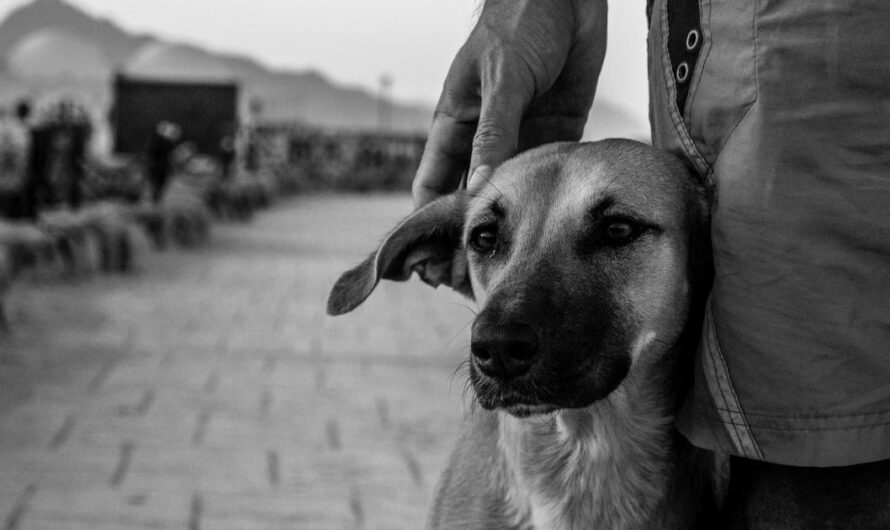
(527, 411)
(516, 406)
(527, 396)
(514, 403)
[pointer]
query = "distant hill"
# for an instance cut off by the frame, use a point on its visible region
(39, 35)
(50, 48)
(55, 14)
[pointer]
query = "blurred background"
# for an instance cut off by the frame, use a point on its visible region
(180, 185)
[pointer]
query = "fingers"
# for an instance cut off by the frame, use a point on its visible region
(453, 144)
(540, 130)
(497, 133)
(516, 53)
(477, 119)
(445, 158)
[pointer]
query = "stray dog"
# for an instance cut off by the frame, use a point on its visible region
(590, 264)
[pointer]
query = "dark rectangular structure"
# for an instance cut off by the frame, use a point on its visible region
(204, 111)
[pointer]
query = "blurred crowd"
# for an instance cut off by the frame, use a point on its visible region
(59, 157)
(42, 157)
(50, 159)
(345, 160)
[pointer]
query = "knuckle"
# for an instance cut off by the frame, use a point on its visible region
(452, 112)
(490, 135)
(457, 105)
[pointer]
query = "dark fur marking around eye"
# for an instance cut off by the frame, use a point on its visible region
(608, 226)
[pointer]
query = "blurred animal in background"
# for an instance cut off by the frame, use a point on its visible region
(590, 264)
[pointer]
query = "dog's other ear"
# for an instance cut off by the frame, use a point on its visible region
(427, 242)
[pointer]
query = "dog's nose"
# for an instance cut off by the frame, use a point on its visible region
(504, 351)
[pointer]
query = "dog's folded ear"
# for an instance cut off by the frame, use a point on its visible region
(427, 242)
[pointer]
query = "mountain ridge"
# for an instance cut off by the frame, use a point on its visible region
(287, 95)
(304, 96)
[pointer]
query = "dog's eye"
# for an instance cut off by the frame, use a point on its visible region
(484, 239)
(612, 232)
(620, 231)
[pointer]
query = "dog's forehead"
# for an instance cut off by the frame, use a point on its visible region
(567, 180)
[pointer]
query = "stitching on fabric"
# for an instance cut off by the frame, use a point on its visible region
(736, 435)
(699, 68)
(806, 417)
(812, 429)
(730, 387)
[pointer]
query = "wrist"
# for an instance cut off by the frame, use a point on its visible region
(589, 15)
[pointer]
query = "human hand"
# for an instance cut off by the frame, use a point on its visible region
(526, 76)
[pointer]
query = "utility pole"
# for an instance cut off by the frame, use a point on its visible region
(384, 106)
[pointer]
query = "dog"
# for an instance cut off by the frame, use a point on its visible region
(590, 266)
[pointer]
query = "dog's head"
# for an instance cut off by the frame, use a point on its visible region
(584, 259)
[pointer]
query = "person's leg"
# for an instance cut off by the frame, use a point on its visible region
(158, 180)
(74, 194)
(162, 187)
(29, 200)
(770, 496)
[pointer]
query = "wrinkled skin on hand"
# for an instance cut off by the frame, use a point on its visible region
(526, 76)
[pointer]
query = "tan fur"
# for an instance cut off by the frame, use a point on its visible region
(613, 324)
(598, 467)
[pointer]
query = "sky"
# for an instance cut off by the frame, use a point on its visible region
(356, 42)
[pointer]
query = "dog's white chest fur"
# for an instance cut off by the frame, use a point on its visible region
(599, 467)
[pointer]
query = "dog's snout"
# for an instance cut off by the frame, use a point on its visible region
(504, 351)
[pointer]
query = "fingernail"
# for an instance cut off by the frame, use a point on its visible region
(480, 175)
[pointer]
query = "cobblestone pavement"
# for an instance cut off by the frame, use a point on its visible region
(210, 391)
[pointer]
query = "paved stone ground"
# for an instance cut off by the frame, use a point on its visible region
(210, 391)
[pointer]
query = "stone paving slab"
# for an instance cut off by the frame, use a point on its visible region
(210, 391)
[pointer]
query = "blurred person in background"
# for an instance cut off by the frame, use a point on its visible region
(36, 190)
(784, 107)
(13, 148)
(163, 141)
(15, 141)
(71, 131)
(58, 152)
(251, 148)
(228, 151)
(250, 136)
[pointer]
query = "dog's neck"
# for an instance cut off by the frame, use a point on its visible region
(609, 465)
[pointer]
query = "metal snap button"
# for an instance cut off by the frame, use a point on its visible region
(682, 72)
(692, 39)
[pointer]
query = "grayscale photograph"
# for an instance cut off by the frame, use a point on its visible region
(451, 264)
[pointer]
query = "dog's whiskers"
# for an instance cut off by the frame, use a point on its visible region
(457, 333)
(463, 366)
(468, 308)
